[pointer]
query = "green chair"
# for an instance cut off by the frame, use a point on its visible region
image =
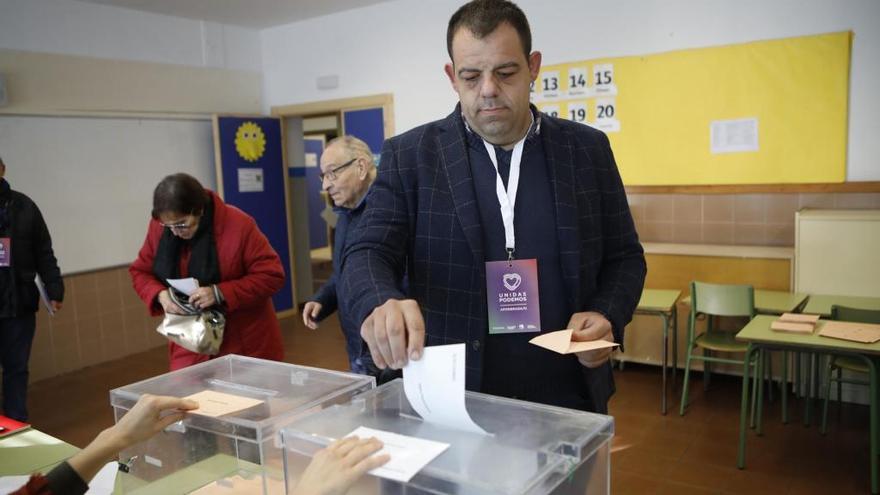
(717, 300)
(840, 363)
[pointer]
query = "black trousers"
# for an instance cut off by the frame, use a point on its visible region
(16, 337)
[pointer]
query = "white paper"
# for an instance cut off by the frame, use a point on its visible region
(185, 285)
(551, 110)
(104, 481)
(603, 80)
(9, 484)
(250, 180)
(733, 136)
(434, 386)
(549, 84)
(605, 115)
(578, 80)
(44, 296)
(408, 454)
(311, 159)
(577, 112)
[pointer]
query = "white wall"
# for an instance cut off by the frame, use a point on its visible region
(400, 47)
(78, 28)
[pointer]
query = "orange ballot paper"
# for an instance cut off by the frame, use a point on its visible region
(560, 341)
(214, 404)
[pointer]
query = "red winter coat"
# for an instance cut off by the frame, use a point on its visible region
(250, 273)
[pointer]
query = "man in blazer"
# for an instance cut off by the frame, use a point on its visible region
(497, 180)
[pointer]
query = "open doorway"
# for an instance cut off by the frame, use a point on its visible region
(318, 130)
(310, 127)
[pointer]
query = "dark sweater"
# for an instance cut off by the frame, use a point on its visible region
(512, 366)
(21, 220)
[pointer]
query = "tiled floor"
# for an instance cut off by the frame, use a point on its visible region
(652, 454)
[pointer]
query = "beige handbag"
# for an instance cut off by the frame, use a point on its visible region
(198, 331)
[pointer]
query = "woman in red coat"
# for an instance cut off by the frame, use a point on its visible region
(193, 233)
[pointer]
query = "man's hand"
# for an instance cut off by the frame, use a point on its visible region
(395, 333)
(335, 468)
(56, 306)
(203, 297)
(311, 311)
(589, 326)
(168, 305)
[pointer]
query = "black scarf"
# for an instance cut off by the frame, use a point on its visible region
(8, 292)
(203, 265)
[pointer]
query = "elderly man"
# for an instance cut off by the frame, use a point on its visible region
(25, 251)
(347, 171)
(499, 205)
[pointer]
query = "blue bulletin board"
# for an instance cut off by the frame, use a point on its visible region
(367, 124)
(251, 176)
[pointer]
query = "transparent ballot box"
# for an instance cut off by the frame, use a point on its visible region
(530, 449)
(238, 452)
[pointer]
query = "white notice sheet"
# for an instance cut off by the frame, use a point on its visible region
(434, 386)
(408, 454)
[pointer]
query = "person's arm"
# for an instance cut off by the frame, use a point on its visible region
(327, 298)
(335, 468)
(147, 286)
(322, 304)
(622, 273)
(373, 264)
(46, 263)
(264, 273)
(150, 415)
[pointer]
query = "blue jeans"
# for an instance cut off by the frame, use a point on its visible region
(16, 337)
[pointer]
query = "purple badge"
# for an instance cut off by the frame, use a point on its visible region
(5, 251)
(512, 296)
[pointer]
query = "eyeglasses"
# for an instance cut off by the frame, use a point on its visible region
(331, 175)
(185, 225)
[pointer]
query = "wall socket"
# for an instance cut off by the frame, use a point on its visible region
(328, 82)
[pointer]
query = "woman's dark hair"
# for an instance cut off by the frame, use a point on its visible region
(179, 193)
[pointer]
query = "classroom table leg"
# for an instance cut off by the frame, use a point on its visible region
(665, 363)
(762, 358)
(811, 393)
(744, 409)
(872, 375)
(674, 343)
(784, 389)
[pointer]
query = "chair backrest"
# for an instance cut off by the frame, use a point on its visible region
(858, 315)
(722, 299)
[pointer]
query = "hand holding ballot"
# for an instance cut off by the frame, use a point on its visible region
(592, 342)
(590, 326)
(395, 333)
(150, 415)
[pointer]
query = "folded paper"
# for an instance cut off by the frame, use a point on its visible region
(795, 323)
(864, 333)
(214, 404)
(560, 341)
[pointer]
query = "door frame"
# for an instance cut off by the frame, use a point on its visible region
(385, 100)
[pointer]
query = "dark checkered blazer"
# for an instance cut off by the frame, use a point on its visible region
(422, 219)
